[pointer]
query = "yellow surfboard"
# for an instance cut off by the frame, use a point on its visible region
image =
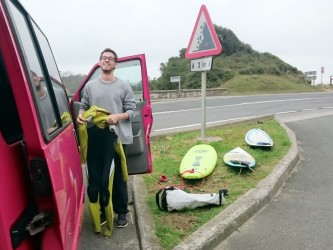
(198, 162)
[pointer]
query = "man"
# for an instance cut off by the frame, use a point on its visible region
(116, 96)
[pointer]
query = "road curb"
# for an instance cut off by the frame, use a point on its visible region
(230, 219)
(144, 219)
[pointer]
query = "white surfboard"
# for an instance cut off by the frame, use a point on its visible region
(259, 138)
(239, 158)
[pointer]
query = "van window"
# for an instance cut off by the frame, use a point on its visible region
(50, 97)
(129, 71)
(57, 86)
(10, 126)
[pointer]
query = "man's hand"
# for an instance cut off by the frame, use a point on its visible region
(80, 119)
(113, 119)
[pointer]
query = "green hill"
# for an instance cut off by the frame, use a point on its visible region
(71, 81)
(239, 68)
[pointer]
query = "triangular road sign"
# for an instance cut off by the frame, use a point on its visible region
(204, 40)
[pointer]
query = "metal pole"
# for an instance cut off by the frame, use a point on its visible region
(179, 88)
(203, 103)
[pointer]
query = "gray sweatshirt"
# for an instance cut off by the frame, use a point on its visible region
(117, 97)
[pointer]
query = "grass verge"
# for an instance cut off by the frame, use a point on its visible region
(168, 151)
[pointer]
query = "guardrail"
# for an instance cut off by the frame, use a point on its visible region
(183, 93)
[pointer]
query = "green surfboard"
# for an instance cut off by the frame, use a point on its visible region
(198, 162)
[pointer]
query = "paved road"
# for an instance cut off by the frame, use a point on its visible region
(301, 215)
(184, 114)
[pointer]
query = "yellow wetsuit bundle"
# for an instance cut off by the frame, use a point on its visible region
(98, 117)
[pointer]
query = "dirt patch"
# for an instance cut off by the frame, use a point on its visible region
(182, 222)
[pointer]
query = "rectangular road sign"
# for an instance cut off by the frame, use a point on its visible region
(202, 64)
(175, 79)
(310, 73)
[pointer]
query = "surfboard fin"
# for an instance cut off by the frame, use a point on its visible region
(243, 163)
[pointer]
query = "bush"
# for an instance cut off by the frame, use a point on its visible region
(274, 70)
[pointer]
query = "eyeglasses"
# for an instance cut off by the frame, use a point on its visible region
(110, 58)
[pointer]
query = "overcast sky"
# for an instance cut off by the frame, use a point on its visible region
(297, 31)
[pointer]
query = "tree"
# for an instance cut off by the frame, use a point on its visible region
(230, 43)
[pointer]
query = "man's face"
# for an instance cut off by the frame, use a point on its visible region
(107, 62)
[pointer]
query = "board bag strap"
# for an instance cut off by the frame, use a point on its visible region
(161, 200)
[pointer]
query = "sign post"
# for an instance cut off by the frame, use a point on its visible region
(203, 103)
(204, 43)
(322, 72)
(176, 79)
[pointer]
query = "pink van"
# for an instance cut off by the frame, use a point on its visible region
(41, 181)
